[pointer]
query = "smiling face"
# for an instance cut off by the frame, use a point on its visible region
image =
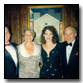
(28, 36)
(7, 35)
(69, 34)
(48, 35)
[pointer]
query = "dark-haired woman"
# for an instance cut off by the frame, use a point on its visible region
(50, 53)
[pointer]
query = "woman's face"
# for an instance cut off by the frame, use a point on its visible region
(28, 36)
(48, 35)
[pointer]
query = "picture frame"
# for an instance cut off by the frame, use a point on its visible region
(37, 16)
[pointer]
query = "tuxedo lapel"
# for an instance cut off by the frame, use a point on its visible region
(17, 58)
(64, 55)
(74, 50)
(7, 54)
(16, 52)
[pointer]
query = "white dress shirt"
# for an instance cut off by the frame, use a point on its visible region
(68, 51)
(12, 52)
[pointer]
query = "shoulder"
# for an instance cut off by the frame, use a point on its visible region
(22, 51)
(63, 43)
(20, 46)
(37, 49)
(76, 43)
(60, 44)
(38, 46)
(14, 44)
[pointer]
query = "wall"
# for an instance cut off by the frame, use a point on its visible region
(16, 16)
(71, 15)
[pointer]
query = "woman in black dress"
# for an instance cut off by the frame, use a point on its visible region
(50, 53)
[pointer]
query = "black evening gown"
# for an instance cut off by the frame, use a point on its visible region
(51, 64)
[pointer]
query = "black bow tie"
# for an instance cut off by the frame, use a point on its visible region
(68, 44)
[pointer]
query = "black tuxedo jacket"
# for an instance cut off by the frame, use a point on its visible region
(70, 70)
(11, 71)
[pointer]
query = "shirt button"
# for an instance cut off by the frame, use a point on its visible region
(52, 51)
(62, 76)
(55, 69)
(47, 69)
(52, 74)
(50, 66)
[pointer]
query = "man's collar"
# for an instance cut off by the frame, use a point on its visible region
(7, 42)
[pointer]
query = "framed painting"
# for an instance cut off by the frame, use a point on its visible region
(41, 16)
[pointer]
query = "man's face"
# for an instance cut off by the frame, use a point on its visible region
(69, 34)
(7, 35)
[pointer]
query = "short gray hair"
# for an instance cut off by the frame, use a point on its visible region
(30, 30)
(75, 30)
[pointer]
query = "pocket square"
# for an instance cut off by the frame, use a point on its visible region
(76, 53)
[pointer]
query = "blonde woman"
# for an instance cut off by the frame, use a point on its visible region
(29, 56)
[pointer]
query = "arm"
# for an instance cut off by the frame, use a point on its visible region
(41, 64)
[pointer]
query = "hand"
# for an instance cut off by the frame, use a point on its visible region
(41, 65)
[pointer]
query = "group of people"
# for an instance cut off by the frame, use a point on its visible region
(50, 59)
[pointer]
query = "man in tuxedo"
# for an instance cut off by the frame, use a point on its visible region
(69, 54)
(11, 56)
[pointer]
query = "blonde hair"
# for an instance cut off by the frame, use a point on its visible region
(30, 30)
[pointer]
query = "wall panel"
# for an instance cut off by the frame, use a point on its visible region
(15, 24)
(16, 16)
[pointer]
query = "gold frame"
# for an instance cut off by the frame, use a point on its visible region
(48, 6)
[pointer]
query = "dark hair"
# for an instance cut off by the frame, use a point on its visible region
(55, 37)
(9, 28)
